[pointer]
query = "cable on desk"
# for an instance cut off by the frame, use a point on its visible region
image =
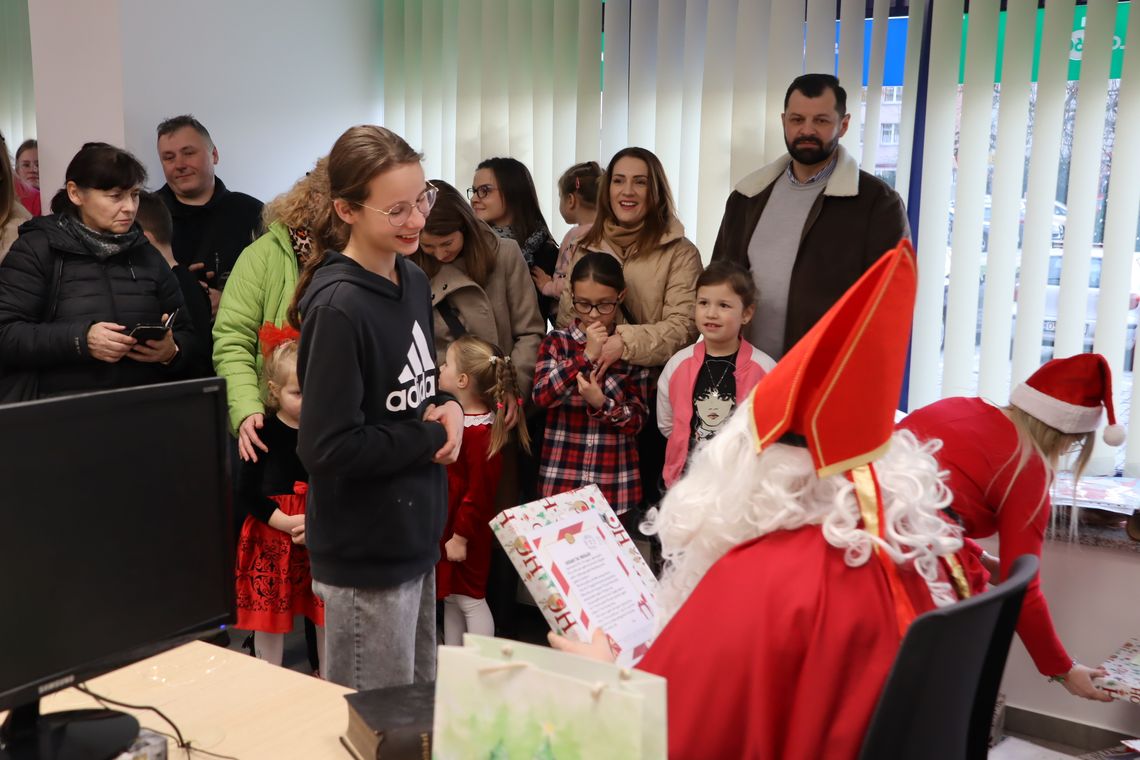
(177, 736)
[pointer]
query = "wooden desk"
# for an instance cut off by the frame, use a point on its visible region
(226, 702)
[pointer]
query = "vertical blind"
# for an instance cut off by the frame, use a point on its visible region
(1041, 271)
(17, 105)
(701, 83)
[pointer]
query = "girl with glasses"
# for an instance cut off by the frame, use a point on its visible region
(375, 432)
(593, 417)
(503, 195)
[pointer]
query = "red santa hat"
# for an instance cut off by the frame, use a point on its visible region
(1068, 394)
(839, 386)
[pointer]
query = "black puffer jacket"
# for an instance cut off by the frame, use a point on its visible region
(130, 288)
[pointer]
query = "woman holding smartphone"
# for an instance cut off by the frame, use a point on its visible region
(76, 284)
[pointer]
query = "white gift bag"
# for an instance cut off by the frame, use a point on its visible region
(506, 700)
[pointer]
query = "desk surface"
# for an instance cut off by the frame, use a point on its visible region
(227, 702)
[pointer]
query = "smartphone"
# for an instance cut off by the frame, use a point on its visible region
(143, 333)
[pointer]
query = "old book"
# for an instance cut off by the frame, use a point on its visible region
(390, 724)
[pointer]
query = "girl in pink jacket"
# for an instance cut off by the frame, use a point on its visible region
(699, 387)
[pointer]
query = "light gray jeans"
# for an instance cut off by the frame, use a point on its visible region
(376, 638)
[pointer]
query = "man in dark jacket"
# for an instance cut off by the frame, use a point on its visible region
(810, 223)
(212, 224)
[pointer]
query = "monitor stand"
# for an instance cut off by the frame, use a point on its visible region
(69, 735)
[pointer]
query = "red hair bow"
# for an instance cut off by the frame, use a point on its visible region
(271, 336)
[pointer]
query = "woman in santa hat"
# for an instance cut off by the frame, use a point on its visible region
(1001, 462)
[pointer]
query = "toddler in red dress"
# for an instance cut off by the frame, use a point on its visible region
(273, 579)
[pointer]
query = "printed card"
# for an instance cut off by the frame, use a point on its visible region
(583, 569)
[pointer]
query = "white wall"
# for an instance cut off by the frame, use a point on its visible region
(1092, 594)
(275, 84)
(79, 81)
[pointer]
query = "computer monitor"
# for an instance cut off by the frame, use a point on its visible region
(116, 542)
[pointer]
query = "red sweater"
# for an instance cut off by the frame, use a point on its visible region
(980, 450)
(471, 484)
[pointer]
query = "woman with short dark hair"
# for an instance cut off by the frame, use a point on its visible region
(86, 303)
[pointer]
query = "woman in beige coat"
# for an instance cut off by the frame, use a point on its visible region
(637, 224)
(479, 284)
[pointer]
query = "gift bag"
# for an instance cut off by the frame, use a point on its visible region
(506, 700)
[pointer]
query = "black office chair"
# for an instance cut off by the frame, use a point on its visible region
(938, 701)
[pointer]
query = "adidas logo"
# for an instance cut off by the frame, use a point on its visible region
(419, 372)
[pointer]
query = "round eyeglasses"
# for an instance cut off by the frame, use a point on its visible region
(482, 191)
(603, 308)
(399, 214)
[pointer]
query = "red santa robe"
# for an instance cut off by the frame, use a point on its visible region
(780, 652)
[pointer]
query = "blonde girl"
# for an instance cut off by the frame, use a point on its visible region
(273, 578)
(485, 381)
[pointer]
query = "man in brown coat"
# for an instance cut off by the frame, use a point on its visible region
(810, 223)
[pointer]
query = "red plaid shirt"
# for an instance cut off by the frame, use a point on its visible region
(583, 445)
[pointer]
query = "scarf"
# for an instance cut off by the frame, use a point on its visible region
(622, 239)
(101, 245)
(529, 246)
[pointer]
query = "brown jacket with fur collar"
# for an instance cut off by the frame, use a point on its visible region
(855, 220)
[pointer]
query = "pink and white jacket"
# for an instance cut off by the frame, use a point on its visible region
(675, 397)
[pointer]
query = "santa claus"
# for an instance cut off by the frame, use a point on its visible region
(800, 545)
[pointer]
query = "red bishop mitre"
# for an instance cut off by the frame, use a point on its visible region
(839, 386)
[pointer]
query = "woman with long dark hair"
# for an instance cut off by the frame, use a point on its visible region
(504, 197)
(479, 284)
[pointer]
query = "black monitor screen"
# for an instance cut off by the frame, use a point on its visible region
(115, 532)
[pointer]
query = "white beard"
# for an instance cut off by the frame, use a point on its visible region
(731, 495)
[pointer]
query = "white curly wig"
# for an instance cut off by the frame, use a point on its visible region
(731, 495)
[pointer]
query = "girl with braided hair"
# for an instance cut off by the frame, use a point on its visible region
(486, 383)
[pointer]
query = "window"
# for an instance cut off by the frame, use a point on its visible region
(886, 174)
(889, 134)
(892, 94)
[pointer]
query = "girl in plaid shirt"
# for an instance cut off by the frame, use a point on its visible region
(594, 416)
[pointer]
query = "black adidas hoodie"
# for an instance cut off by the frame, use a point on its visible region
(376, 505)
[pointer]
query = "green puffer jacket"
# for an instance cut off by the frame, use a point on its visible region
(259, 290)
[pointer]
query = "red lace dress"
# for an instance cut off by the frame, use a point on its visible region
(274, 583)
